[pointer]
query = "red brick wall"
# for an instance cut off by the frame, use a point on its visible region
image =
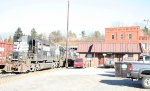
(125, 31)
(94, 62)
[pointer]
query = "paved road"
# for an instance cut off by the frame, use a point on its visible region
(88, 79)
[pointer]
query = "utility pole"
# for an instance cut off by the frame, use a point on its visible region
(67, 36)
(147, 21)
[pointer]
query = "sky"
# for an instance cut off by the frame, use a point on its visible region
(88, 15)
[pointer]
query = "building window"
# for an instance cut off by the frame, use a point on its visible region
(130, 55)
(89, 56)
(113, 36)
(121, 36)
(130, 36)
(144, 46)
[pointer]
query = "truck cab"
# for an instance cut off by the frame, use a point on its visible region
(144, 59)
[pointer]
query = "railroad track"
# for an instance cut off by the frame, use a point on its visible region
(5, 78)
(11, 77)
(7, 75)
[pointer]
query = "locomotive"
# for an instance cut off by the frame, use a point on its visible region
(32, 54)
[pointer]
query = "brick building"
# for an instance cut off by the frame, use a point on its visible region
(123, 34)
(93, 53)
(131, 34)
(121, 43)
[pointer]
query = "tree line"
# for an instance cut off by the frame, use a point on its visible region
(146, 31)
(57, 36)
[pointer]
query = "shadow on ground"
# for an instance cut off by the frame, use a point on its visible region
(108, 75)
(102, 67)
(124, 82)
(110, 72)
(75, 68)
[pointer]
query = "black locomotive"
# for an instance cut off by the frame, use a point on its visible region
(32, 54)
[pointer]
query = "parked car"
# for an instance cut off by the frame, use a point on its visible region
(109, 62)
(78, 62)
(70, 63)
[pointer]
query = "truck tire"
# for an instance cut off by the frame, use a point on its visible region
(146, 82)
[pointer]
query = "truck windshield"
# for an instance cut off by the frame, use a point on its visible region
(79, 60)
(147, 58)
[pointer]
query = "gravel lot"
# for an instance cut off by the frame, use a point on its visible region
(88, 79)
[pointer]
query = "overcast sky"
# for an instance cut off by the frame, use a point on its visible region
(89, 15)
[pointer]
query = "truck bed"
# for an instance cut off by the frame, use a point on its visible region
(137, 69)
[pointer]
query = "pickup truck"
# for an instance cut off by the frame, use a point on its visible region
(140, 70)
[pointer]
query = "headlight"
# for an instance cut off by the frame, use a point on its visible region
(21, 57)
(9, 57)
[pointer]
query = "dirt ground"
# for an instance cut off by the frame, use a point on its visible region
(62, 79)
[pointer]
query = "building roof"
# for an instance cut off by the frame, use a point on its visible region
(134, 28)
(110, 47)
(84, 47)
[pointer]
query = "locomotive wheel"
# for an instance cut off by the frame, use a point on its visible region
(56, 65)
(33, 68)
(38, 67)
(53, 66)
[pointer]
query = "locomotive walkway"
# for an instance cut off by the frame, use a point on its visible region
(62, 79)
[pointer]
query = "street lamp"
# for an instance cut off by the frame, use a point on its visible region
(67, 36)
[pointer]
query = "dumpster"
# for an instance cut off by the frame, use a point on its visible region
(121, 69)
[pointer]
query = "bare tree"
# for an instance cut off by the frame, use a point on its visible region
(41, 36)
(72, 36)
(10, 39)
(55, 36)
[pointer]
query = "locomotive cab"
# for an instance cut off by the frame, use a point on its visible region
(21, 58)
